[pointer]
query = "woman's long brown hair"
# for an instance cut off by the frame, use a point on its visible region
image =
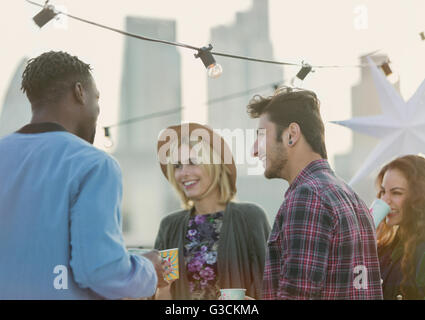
(412, 227)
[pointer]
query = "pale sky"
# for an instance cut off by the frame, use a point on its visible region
(325, 32)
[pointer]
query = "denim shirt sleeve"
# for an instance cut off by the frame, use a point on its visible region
(99, 259)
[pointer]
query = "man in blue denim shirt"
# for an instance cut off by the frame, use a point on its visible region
(60, 219)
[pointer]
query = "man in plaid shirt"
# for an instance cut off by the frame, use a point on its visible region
(323, 243)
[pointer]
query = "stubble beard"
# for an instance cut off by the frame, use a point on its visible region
(277, 163)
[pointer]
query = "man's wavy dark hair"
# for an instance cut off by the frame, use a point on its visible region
(47, 77)
(290, 105)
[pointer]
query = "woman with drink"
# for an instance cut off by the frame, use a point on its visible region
(222, 243)
(401, 235)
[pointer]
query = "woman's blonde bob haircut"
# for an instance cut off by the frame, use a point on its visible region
(209, 161)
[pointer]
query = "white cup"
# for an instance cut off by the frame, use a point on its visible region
(138, 251)
(232, 294)
(379, 211)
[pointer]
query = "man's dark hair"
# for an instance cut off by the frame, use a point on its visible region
(290, 105)
(47, 77)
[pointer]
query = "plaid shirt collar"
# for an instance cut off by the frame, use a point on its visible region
(316, 165)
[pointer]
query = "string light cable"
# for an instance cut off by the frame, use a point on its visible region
(273, 85)
(49, 12)
(214, 70)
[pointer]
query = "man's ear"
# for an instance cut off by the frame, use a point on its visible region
(294, 133)
(79, 93)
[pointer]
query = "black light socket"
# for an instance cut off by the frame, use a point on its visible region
(205, 54)
(44, 16)
(386, 68)
(107, 133)
(305, 70)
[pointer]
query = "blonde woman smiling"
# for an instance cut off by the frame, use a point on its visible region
(221, 243)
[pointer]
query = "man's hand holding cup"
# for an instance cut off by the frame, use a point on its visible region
(160, 267)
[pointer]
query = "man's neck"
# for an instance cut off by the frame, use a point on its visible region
(299, 163)
(41, 117)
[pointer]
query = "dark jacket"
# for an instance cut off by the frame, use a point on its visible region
(390, 261)
(241, 248)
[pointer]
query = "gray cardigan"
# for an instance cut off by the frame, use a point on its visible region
(241, 248)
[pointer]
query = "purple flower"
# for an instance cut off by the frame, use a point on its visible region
(200, 219)
(203, 233)
(195, 265)
(207, 273)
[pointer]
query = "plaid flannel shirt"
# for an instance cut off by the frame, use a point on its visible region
(323, 242)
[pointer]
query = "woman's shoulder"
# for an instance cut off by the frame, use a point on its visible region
(173, 217)
(250, 219)
(248, 209)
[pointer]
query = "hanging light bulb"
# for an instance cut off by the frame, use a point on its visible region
(298, 80)
(392, 77)
(45, 15)
(108, 143)
(214, 70)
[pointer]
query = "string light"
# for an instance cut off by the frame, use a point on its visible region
(45, 15)
(193, 47)
(108, 142)
(386, 68)
(273, 85)
(298, 80)
(392, 77)
(214, 69)
(138, 119)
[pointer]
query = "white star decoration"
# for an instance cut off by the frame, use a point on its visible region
(401, 127)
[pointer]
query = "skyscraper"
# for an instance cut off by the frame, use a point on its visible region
(247, 36)
(150, 83)
(364, 102)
